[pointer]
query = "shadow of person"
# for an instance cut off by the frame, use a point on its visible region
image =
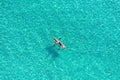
(52, 52)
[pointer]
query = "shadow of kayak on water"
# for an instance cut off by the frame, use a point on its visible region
(52, 52)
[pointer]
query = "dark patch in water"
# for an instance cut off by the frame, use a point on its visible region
(51, 51)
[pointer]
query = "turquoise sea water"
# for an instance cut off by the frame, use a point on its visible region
(90, 29)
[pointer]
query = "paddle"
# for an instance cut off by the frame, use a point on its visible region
(59, 38)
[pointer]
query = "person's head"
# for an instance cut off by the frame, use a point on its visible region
(60, 44)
